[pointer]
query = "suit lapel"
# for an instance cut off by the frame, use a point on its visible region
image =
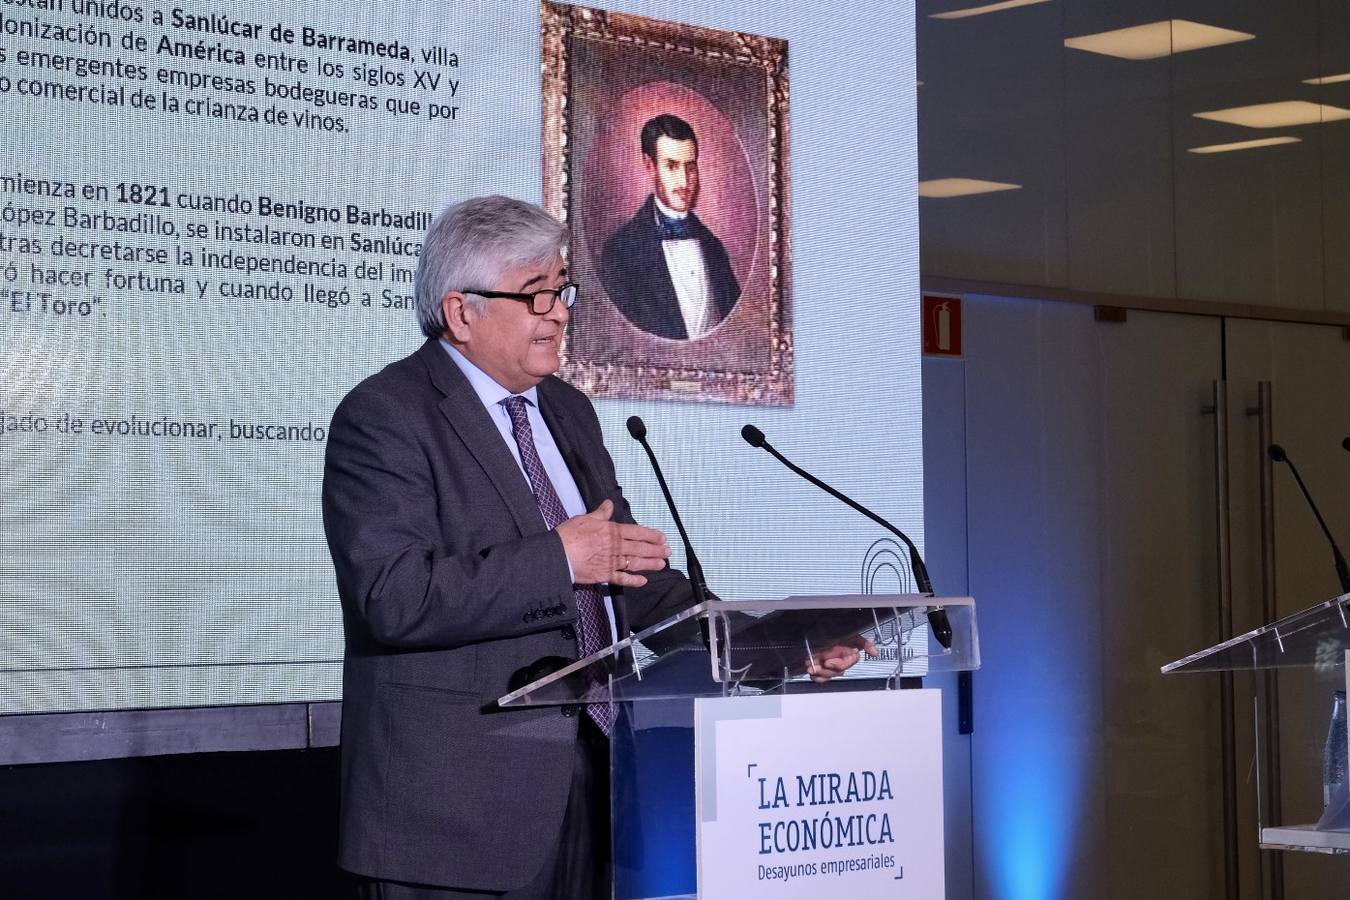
(562, 423)
(564, 431)
(659, 298)
(466, 415)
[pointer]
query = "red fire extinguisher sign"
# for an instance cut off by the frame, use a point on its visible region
(941, 325)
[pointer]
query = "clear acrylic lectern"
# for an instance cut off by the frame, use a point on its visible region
(1302, 759)
(728, 649)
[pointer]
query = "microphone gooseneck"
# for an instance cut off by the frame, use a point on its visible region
(937, 617)
(638, 430)
(1276, 453)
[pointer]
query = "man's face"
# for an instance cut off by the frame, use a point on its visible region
(674, 173)
(516, 347)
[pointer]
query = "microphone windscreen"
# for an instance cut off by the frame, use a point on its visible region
(1345, 443)
(1276, 453)
(637, 428)
(753, 436)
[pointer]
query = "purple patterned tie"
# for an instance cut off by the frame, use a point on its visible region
(592, 627)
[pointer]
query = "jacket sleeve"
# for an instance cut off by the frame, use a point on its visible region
(398, 579)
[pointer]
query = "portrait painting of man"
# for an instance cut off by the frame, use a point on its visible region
(664, 269)
(665, 151)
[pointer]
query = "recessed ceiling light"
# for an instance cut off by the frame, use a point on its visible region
(1277, 115)
(981, 10)
(1328, 79)
(1245, 145)
(961, 187)
(1156, 39)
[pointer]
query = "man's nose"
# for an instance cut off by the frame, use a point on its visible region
(559, 313)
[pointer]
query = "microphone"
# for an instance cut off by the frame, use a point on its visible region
(1277, 454)
(638, 430)
(937, 617)
(1345, 443)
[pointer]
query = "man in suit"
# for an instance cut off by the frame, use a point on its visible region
(475, 525)
(477, 530)
(664, 269)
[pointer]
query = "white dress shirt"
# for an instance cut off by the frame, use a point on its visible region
(689, 274)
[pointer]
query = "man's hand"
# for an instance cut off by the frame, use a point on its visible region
(838, 659)
(601, 550)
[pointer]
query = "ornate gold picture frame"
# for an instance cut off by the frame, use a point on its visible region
(606, 76)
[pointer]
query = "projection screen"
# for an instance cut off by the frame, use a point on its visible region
(211, 216)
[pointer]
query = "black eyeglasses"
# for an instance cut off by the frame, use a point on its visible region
(541, 302)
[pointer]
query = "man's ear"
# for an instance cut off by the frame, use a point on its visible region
(459, 316)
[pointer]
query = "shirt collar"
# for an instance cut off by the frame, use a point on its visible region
(488, 390)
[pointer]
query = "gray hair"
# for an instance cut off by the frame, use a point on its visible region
(473, 244)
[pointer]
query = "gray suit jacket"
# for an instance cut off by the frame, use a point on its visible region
(450, 582)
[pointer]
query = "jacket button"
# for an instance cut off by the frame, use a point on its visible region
(569, 711)
(569, 633)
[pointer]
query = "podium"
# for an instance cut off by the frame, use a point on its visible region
(1298, 666)
(734, 774)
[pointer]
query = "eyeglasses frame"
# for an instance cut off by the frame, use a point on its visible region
(529, 298)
